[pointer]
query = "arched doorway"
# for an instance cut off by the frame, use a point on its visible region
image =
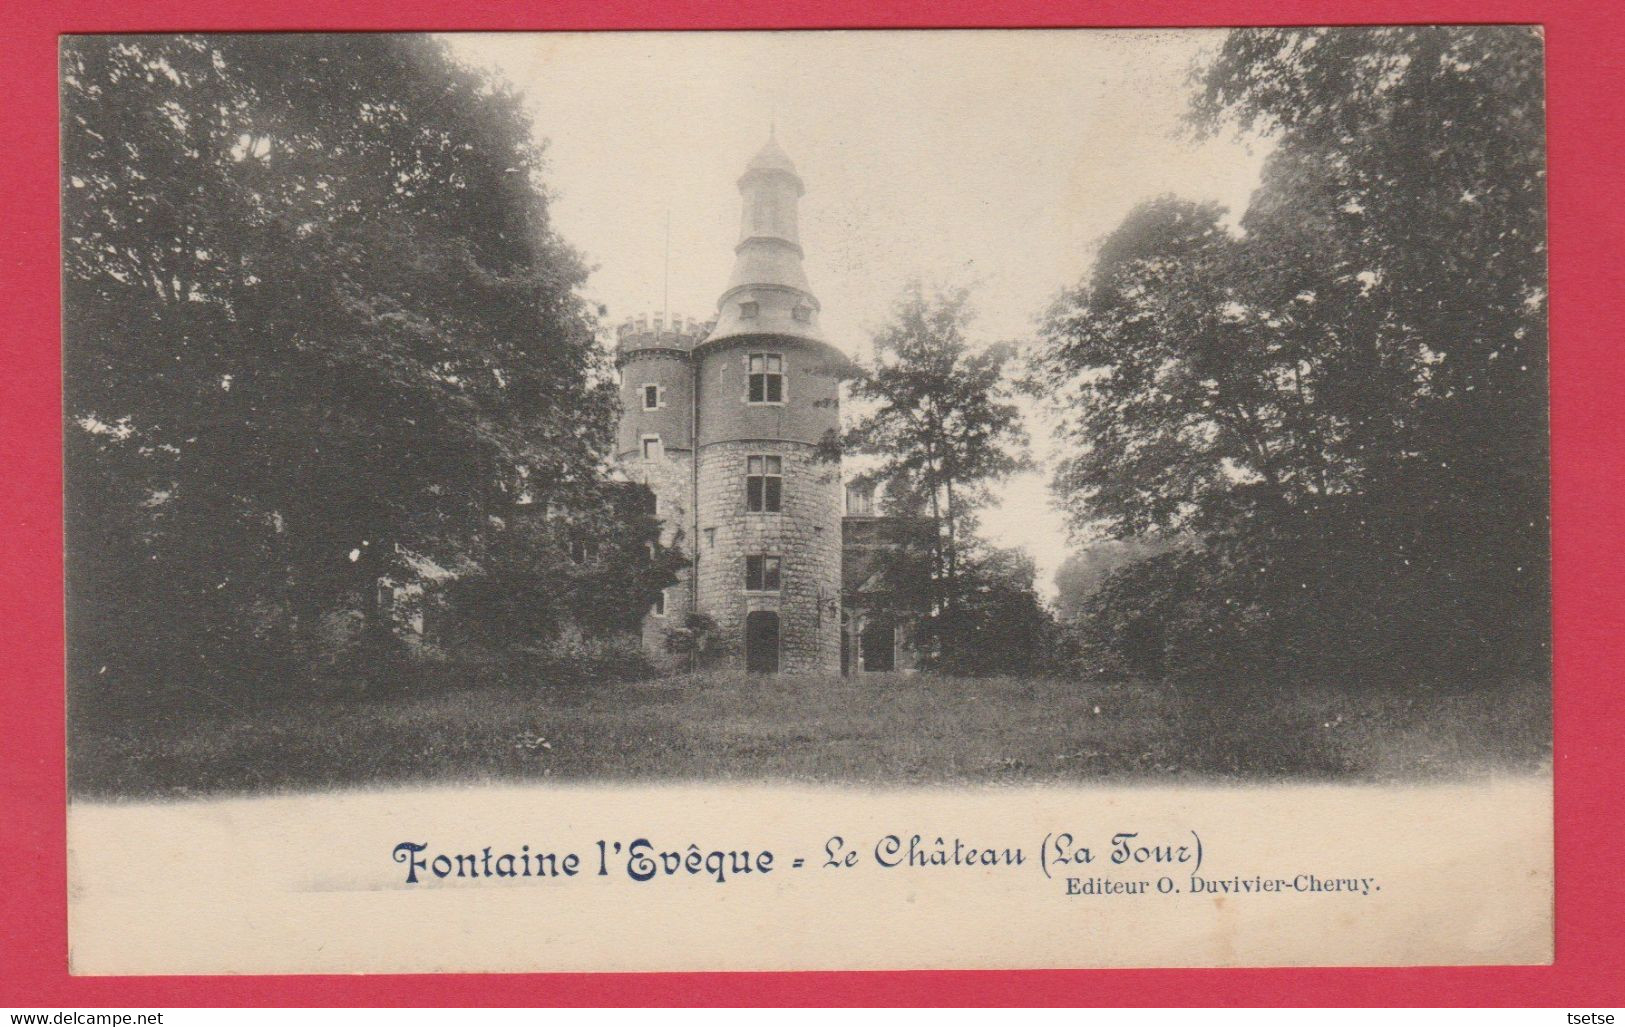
(762, 642)
(878, 643)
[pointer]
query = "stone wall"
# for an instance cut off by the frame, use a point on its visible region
(806, 534)
(811, 389)
(672, 373)
(671, 480)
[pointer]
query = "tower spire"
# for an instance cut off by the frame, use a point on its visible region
(768, 292)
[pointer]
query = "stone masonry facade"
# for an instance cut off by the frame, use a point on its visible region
(657, 355)
(805, 534)
(670, 478)
(699, 400)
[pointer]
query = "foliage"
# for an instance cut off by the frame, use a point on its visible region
(597, 571)
(998, 625)
(942, 423)
(1343, 404)
(942, 426)
(317, 324)
(698, 637)
(594, 661)
(1083, 572)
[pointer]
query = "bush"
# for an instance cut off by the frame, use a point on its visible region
(1295, 611)
(592, 661)
(995, 623)
(698, 636)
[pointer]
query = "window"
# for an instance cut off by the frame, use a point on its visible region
(860, 500)
(764, 483)
(710, 538)
(651, 397)
(749, 309)
(659, 609)
(651, 447)
(802, 312)
(761, 573)
(583, 551)
(651, 502)
(766, 378)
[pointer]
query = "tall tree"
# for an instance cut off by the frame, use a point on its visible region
(1344, 403)
(316, 319)
(941, 422)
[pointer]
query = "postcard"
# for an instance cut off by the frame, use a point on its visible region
(807, 500)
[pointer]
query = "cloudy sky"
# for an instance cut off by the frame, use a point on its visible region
(997, 159)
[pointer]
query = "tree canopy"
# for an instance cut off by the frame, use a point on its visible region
(1343, 402)
(940, 424)
(317, 323)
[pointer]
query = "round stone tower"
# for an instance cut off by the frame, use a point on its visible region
(768, 520)
(655, 444)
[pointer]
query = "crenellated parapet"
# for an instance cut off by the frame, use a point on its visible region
(657, 336)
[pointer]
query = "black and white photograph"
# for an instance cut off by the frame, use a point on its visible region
(623, 423)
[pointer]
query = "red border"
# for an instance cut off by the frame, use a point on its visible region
(1587, 137)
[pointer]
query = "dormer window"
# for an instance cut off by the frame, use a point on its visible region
(766, 378)
(749, 309)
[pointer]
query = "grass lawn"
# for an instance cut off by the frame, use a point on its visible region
(875, 729)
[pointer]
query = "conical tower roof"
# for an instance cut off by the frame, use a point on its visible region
(771, 157)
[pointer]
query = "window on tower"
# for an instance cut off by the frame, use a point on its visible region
(651, 447)
(651, 397)
(749, 309)
(766, 378)
(660, 604)
(762, 573)
(764, 483)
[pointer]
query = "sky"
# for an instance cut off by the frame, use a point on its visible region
(995, 159)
